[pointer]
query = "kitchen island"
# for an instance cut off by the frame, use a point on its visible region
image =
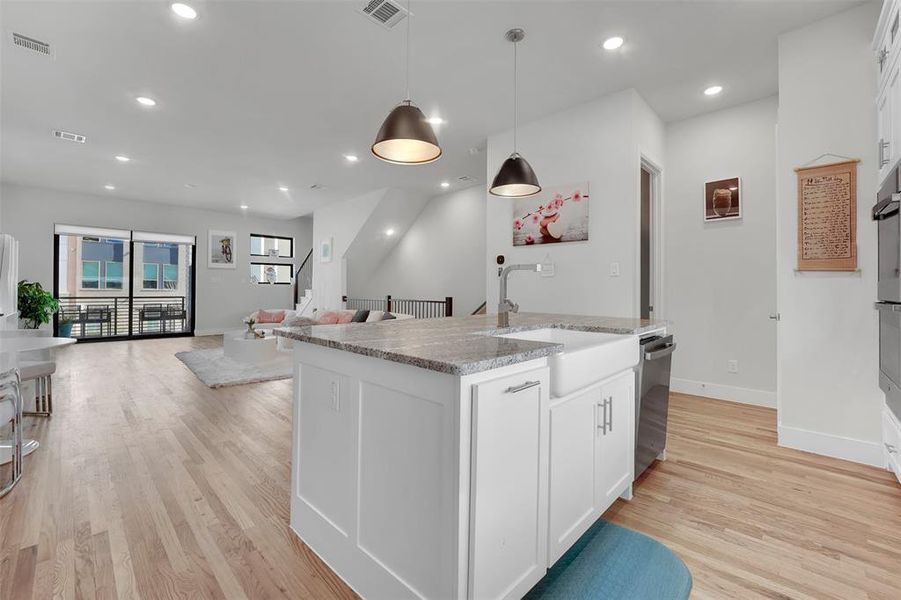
(430, 460)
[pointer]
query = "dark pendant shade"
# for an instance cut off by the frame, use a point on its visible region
(406, 138)
(515, 179)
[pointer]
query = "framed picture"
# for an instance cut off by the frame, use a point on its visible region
(557, 214)
(722, 199)
(222, 251)
(325, 251)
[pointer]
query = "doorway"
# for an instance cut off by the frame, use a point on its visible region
(650, 276)
(122, 284)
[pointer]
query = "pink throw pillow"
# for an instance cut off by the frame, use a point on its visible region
(327, 317)
(346, 316)
(276, 316)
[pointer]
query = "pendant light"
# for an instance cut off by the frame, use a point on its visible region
(516, 177)
(405, 137)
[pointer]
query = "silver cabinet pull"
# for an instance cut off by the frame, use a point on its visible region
(603, 424)
(522, 386)
(610, 412)
(891, 449)
(606, 421)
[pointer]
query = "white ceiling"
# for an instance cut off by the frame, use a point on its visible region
(253, 95)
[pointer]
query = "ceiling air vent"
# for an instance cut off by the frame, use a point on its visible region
(386, 13)
(466, 179)
(32, 44)
(69, 136)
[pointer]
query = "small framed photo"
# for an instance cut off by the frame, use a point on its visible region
(222, 251)
(722, 199)
(325, 251)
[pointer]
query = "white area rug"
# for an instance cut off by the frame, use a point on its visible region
(216, 370)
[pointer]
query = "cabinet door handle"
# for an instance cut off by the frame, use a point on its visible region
(522, 386)
(891, 449)
(610, 411)
(603, 420)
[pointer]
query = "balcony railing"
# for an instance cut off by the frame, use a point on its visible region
(108, 316)
(421, 309)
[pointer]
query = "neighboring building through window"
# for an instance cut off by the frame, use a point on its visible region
(160, 268)
(101, 263)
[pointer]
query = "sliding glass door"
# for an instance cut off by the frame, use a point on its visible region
(119, 284)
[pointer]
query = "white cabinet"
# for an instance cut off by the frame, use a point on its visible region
(891, 439)
(508, 518)
(591, 460)
(616, 432)
(573, 470)
(887, 48)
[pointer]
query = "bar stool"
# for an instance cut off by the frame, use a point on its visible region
(11, 414)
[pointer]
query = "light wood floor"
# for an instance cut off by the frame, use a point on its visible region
(150, 485)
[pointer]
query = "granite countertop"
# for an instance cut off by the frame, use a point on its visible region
(458, 345)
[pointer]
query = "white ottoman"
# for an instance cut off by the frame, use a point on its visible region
(254, 351)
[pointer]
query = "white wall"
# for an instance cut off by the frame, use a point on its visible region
(720, 285)
(339, 222)
(828, 395)
(224, 296)
(442, 254)
(599, 142)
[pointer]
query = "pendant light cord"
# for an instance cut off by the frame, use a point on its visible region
(409, 18)
(515, 44)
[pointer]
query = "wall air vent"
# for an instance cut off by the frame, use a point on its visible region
(386, 13)
(32, 44)
(69, 136)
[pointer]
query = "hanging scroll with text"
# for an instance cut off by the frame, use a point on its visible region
(827, 217)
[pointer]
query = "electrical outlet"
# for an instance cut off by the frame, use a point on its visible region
(614, 269)
(335, 400)
(733, 366)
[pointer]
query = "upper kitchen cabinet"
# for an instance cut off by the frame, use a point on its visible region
(888, 100)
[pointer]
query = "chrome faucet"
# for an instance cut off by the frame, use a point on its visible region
(504, 305)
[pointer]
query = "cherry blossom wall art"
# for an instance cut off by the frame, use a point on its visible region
(557, 214)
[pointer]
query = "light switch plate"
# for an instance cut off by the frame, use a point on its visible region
(614, 269)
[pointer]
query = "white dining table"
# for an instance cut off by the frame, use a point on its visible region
(10, 347)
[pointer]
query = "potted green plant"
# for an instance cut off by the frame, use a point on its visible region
(36, 305)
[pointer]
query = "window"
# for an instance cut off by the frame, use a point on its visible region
(271, 273)
(261, 245)
(151, 276)
(101, 263)
(112, 275)
(90, 274)
(170, 277)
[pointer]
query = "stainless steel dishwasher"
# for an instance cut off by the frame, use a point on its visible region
(652, 399)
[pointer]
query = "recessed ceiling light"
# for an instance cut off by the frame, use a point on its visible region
(121, 158)
(146, 101)
(613, 43)
(109, 187)
(435, 121)
(283, 188)
(389, 232)
(713, 90)
(445, 184)
(351, 157)
(244, 207)
(183, 10)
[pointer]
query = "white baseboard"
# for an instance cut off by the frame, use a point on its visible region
(724, 392)
(200, 332)
(836, 446)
